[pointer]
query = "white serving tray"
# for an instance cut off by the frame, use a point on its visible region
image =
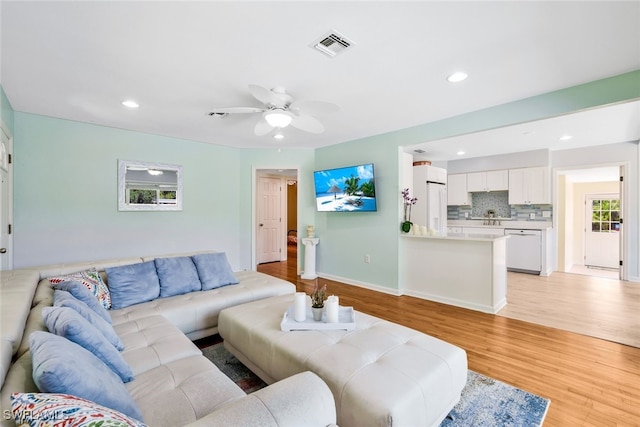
(346, 321)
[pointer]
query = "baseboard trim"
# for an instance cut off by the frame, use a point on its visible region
(457, 302)
(360, 284)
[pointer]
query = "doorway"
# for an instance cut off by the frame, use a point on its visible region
(590, 202)
(276, 215)
(6, 257)
(602, 231)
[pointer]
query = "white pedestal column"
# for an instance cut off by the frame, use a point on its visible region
(310, 257)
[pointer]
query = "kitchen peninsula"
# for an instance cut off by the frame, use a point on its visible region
(465, 270)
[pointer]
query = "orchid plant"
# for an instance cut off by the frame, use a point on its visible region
(408, 202)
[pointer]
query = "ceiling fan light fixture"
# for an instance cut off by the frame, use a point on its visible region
(278, 135)
(278, 118)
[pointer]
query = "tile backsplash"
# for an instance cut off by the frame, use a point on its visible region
(496, 200)
(499, 202)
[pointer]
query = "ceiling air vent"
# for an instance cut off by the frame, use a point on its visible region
(332, 44)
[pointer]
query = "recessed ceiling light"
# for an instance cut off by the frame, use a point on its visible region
(457, 77)
(565, 137)
(130, 104)
(461, 153)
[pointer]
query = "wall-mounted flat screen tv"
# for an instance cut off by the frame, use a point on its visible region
(348, 189)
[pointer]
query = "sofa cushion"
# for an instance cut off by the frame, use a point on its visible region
(214, 270)
(133, 284)
(182, 391)
(177, 276)
(79, 291)
(40, 409)
(65, 299)
(68, 323)
(61, 366)
(152, 341)
(91, 280)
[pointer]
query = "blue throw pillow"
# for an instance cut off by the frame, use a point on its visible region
(177, 276)
(61, 366)
(65, 299)
(78, 290)
(214, 270)
(132, 284)
(68, 323)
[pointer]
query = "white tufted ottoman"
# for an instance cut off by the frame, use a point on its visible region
(381, 373)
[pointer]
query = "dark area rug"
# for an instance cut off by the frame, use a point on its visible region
(231, 367)
(485, 401)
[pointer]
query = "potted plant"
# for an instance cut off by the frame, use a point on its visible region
(408, 202)
(317, 301)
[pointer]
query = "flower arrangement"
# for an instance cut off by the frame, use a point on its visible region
(408, 202)
(318, 296)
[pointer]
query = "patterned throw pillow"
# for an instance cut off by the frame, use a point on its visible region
(48, 409)
(91, 280)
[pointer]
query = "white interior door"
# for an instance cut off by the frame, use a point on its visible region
(602, 231)
(269, 217)
(5, 204)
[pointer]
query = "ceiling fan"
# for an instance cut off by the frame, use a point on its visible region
(280, 110)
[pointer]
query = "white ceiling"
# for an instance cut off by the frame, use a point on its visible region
(606, 125)
(79, 59)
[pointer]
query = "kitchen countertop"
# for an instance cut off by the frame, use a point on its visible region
(459, 236)
(505, 223)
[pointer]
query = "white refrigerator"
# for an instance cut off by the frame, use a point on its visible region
(430, 187)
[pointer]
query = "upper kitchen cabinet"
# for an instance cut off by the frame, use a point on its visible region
(529, 186)
(457, 193)
(488, 181)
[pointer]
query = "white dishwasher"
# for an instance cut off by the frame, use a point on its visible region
(524, 250)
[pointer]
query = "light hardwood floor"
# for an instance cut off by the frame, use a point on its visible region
(594, 306)
(591, 382)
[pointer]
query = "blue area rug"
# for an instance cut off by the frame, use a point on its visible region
(485, 402)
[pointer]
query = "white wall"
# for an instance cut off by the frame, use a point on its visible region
(527, 159)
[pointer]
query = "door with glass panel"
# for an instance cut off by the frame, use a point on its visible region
(602, 231)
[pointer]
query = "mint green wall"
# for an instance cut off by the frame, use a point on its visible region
(346, 238)
(6, 111)
(65, 194)
(65, 188)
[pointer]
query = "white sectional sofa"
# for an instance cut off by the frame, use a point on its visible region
(173, 383)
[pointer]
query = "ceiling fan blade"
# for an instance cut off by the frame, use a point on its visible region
(236, 110)
(264, 95)
(313, 108)
(307, 124)
(262, 127)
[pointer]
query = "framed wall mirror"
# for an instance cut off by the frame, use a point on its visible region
(145, 186)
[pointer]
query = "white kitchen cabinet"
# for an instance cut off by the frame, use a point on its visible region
(457, 193)
(454, 230)
(529, 186)
(497, 180)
